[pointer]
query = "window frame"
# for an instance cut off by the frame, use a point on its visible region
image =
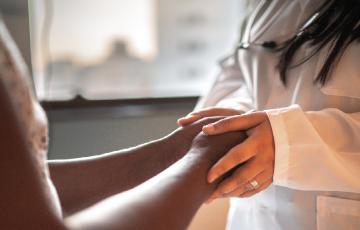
(80, 108)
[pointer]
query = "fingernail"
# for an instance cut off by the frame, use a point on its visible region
(180, 120)
(208, 128)
(189, 117)
(212, 178)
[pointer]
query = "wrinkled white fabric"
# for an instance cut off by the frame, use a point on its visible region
(316, 129)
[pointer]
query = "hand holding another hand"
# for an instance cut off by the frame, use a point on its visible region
(251, 160)
(208, 112)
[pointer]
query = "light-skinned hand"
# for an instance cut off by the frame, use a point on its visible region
(207, 112)
(254, 158)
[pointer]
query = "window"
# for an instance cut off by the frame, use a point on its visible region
(192, 20)
(114, 49)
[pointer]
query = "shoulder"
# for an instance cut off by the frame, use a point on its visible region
(14, 75)
(281, 19)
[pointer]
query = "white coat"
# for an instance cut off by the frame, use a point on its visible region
(316, 129)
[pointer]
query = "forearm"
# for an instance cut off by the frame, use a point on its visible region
(82, 182)
(167, 201)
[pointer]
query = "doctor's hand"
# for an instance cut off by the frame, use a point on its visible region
(253, 159)
(207, 112)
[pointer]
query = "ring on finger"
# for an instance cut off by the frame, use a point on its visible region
(252, 185)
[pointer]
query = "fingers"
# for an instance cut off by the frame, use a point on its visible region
(235, 123)
(257, 151)
(262, 178)
(238, 179)
(190, 118)
(208, 112)
(238, 185)
(259, 189)
(234, 157)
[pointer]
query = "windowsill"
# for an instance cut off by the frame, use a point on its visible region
(80, 108)
(79, 102)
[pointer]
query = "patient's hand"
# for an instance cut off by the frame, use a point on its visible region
(180, 141)
(213, 147)
(192, 124)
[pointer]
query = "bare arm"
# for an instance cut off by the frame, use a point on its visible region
(83, 182)
(168, 201)
(24, 200)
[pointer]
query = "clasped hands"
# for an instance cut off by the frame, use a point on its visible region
(252, 161)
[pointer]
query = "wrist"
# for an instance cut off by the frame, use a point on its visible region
(175, 144)
(180, 141)
(212, 148)
(204, 148)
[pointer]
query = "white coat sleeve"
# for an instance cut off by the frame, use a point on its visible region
(229, 90)
(317, 150)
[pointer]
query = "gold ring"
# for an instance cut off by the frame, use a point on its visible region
(254, 184)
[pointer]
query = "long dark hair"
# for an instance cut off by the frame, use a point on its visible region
(336, 23)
